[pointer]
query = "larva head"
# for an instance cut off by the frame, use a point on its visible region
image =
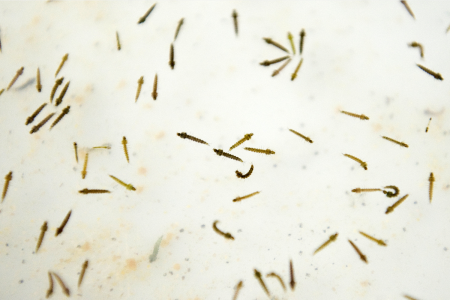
(248, 136)
(218, 151)
(182, 135)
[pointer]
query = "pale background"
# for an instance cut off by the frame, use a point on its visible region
(356, 58)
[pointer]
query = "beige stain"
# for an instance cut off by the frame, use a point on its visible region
(86, 247)
(168, 237)
(121, 84)
(130, 265)
(142, 171)
(160, 135)
(176, 267)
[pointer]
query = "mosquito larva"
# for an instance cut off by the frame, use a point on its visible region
(362, 117)
(40, 124)
(302, 39)
(240, 175)
(394, 141)
(379, 242)
(417, 45)
(426, 129)
(359, 190)
(50, 288)
(18, 73)
(271, 42)
(93, 191)
(8, 178)
(431, 180)
(102, 147)
(58, 82)
(245, 197)
(83, 270)
(38, 81)
(172, 57)
(62, 94)
(44, 228)
(246, 137)
(128, 186)
(1, 91)
(332, 238)
(60, 229)
(261, 281)
(235, 21)
(83, 173)
(238, 288)
(301, 135)
(64, 112)
(274, 61)
(409, 297)
(140, 83)
(221, 153)
(362, 163)
(155, 87)
(291, 271)
(294, 75)
(184, 135)
(393, 206)
(432, 73)
(180, 23)
(61, 283)
(125, 149)
(226, 235)
(408, 8)
(256, 150)
(118, 41)
(30, 119)
(152, 257)
(291, 40)
(277, 71)
(391, 194)
(361, 255)
(273, 274)
(75, 146)
(144, 17)
(65, 57)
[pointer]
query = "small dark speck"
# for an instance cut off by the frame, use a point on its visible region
(7, 245)
(304, 167)
(164, 274)
(21, 281)
(445, 248)
(23, 261)
(239, 230)
(404, 229)
(227, 261)
(363, 204)
(203, 226)
(189, 269)
(300, 225)
(301, 252)
(171, 273)
(186, 259)
(417, 163)
(182, 278)
(289, 234)
(316, 153)
(74, 168)
(275, 165)
(325, 231)
(307, 274)
(111, 290)
(79, 246)
(415, 202)
(113, 239)
(316, 269)
(181, 230)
